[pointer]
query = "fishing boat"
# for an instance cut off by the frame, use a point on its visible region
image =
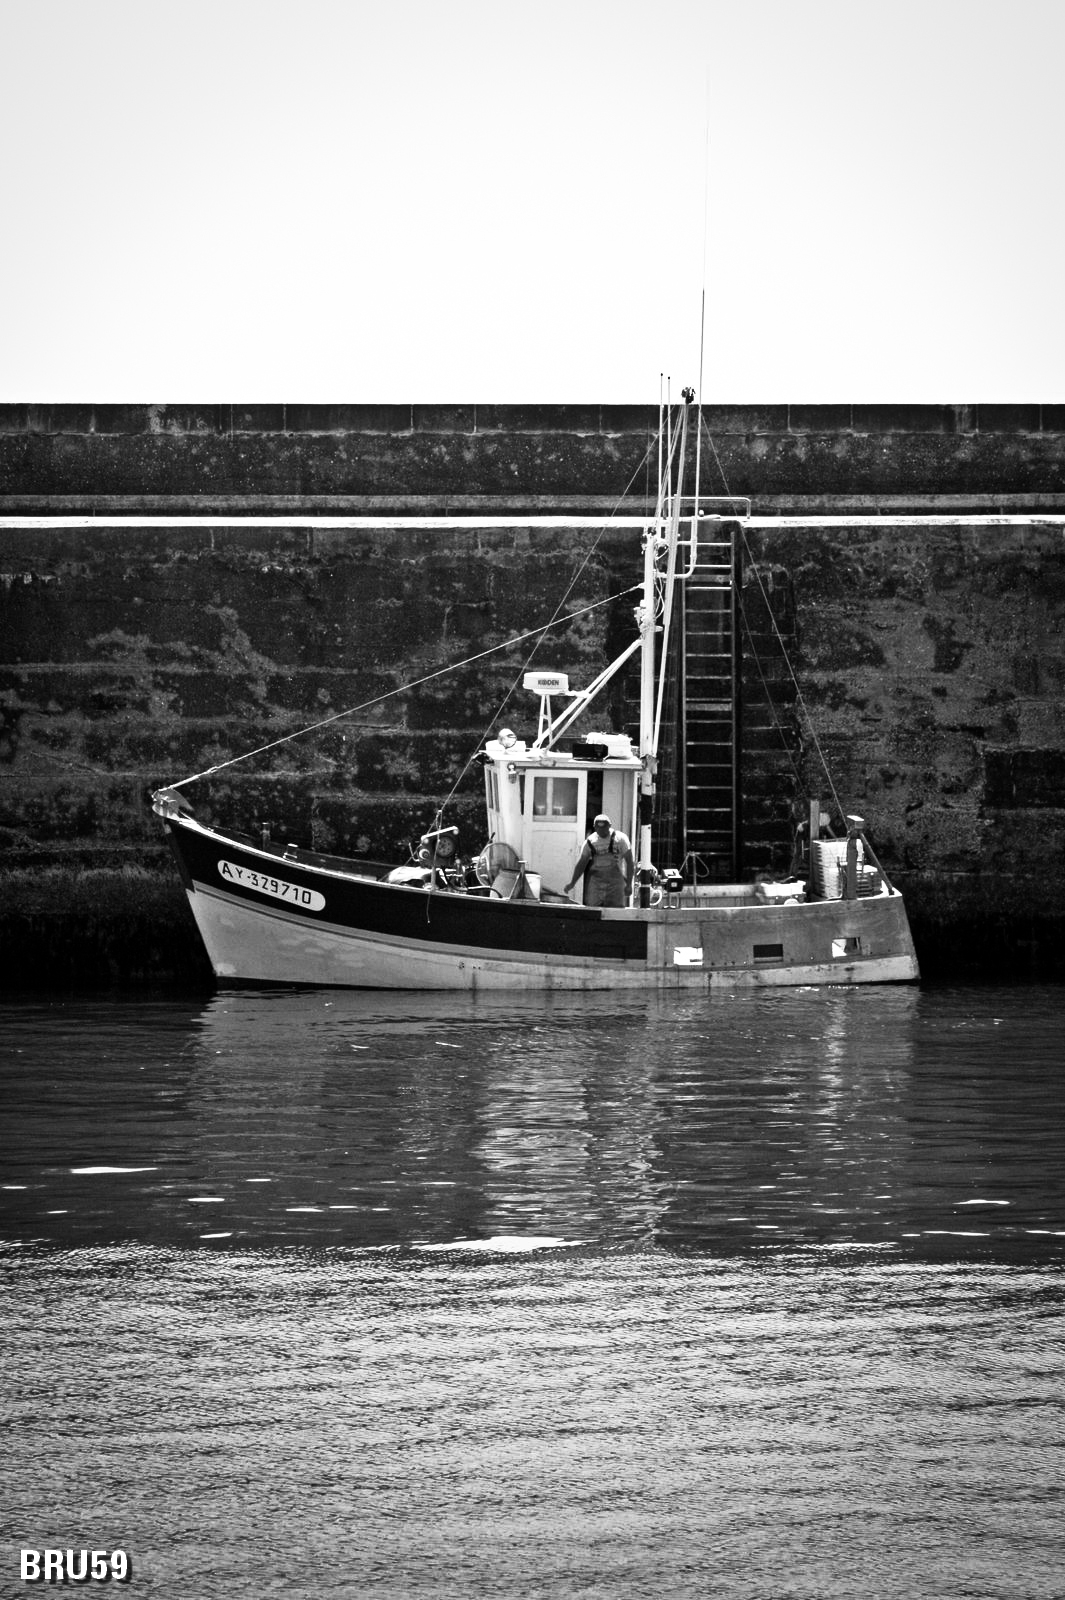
(517, 913)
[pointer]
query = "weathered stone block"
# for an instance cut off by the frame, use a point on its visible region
(348, 419)
(1009, 419)
(820, 419)
(1024, 778)
(894, 419)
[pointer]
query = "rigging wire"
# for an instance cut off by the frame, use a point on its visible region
(794, 679)
(770, 703)
(403, 688)
(662, 605)
(533, 633)
(783, 647)
(702, 305)
(642, 465)
(717, 458)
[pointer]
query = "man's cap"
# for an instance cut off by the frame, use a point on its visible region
(602, 817)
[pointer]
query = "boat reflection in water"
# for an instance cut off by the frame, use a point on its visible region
(799, 1118)
(805, 1295)
(869, 1117)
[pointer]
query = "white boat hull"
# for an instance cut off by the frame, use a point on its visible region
(248, 948)
(253, 940)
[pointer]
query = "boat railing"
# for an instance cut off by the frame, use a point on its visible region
(694, 511)
(727, 507)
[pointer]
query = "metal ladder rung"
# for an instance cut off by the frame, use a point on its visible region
(707, 740)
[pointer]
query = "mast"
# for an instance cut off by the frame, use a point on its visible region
(654, 545)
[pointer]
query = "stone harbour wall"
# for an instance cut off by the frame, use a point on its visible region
(929, 661)
(931, 667)
(329, 456)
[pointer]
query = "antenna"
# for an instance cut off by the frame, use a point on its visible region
(702, 308)
(661, 402)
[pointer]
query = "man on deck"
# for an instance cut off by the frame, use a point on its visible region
(607, 861)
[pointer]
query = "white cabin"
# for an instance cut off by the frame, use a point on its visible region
(542, 802)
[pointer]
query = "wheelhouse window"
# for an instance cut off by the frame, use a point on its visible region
(554, 796)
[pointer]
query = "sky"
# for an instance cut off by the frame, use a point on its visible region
(531, 201)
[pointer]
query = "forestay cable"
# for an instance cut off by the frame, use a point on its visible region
(452, 666)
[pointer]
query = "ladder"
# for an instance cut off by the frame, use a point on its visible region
(708, 706)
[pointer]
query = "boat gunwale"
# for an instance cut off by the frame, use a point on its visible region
(701, 905)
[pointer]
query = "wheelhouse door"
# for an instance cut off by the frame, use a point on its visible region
(554, 824)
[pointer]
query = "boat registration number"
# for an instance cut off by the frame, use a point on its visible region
(294, 893)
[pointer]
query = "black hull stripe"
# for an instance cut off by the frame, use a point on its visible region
(516, 928)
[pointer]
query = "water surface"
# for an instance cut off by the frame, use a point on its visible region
(365, 1295)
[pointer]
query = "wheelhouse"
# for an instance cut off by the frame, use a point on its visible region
(542, 802)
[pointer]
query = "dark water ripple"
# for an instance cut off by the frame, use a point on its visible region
(630, 1425)
(920, 1123)
(760, 1297)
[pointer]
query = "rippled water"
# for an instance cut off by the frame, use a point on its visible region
(357, 1295)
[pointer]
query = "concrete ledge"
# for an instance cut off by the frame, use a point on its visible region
(473, 417)
(278, 506)
(451, 468)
